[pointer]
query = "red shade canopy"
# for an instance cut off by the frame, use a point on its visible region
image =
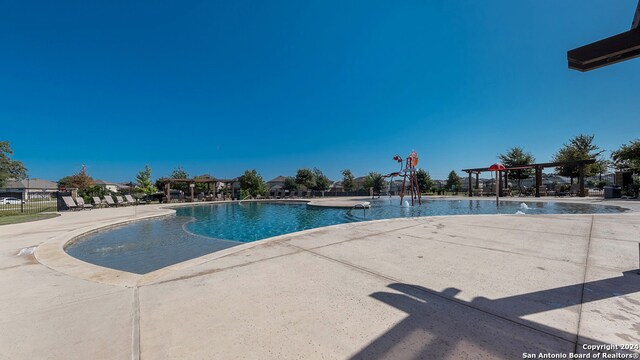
(496, 167)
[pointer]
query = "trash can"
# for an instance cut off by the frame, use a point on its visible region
(612, 192)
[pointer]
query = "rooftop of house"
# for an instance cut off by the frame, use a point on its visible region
(30, 184)
(277, 179)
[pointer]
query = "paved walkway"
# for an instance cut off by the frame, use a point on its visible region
(458, 287)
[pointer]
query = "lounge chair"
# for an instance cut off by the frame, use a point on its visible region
(130, 199)
(121, 201)
(109, 201)
(82, 204)
(558, 190)
(574, 190)
(71, 205)
(97, 202)
(543, 190)
(527, 191)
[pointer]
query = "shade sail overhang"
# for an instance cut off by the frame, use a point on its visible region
(615, 49)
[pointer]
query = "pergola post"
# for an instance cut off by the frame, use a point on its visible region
(477, 180)
(167, 191)
(470, 187)
(581, 179)
(538, 180)
(506, 179)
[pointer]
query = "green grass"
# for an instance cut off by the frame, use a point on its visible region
(11, 210)
(15, 219)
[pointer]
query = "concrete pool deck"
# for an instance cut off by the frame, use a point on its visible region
(453, 287)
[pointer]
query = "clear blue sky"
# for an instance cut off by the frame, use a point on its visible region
(220, 87)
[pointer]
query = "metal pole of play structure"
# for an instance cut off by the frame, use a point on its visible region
(497, 168)
(497, 190)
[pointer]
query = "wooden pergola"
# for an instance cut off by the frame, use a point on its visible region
(538, 174)
(209, 181)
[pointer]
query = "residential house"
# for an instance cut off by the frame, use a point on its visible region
(111, 186)
(276, 184)
(359, 183)
(30, 188)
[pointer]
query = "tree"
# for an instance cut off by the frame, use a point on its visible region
(306, 178)
(95, 190)
(374, 181)
(84, 183)
(290, 183)
(179, 173)
(424, 180)
(515, 157)
(580, 147)
(201, 187)
(321, 183)
(10, 168)
(627, 158)
(453, 182)
(252, 183)
(348, 182)
(80, 180)
(143, 180)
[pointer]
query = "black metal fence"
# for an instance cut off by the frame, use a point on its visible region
(27, 202)
(594, 185)
(282, 194)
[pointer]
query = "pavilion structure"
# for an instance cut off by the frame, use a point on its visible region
(504, 174)
(211, 183)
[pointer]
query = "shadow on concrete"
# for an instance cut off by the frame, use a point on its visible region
(439, 326)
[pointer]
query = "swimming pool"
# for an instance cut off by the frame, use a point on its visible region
(198, 230)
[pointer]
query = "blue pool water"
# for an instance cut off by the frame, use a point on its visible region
(149, 245)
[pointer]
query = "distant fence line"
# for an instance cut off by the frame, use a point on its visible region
(30, 202)
(313, 193)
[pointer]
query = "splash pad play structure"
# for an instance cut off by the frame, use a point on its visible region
(408, 171)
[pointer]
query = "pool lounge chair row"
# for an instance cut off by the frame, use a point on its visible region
(108, 201)
(79, 204)
(544, 190)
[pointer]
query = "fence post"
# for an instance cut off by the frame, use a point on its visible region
(58, 201)
(22, 202)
